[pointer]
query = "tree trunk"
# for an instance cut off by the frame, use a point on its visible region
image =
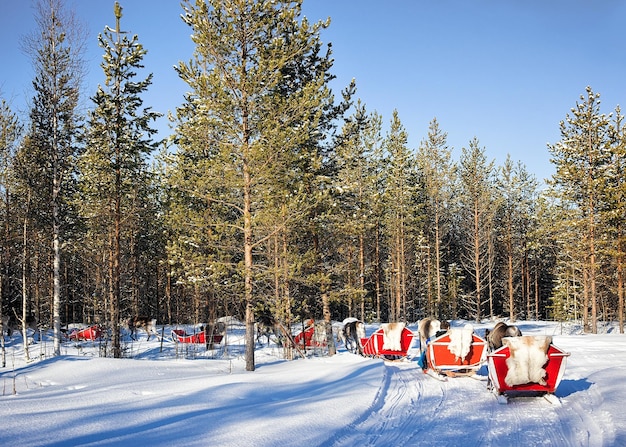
(620, 287)
(248, 267)
(477, 261)
(328, 325)
(25, 279)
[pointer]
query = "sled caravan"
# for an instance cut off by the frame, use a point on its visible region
(517, 365)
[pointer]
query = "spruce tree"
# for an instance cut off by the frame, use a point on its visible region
(114, 169)
(517, 190)
(356, 197)
(616, 204)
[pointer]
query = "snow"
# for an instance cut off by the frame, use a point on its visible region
(169, 395)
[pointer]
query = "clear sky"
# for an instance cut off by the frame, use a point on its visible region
(504, 71)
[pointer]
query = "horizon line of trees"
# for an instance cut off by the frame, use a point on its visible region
(272, 197)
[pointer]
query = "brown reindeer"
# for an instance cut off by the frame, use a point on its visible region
(142, 322)
(267, 326)
(501, 329)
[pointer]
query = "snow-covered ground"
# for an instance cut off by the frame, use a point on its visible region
(165, 396)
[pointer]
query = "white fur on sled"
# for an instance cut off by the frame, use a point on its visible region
(461, 341)
(392, 336)
(528, 355)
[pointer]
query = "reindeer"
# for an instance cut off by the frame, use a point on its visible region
(500, 330)
(14, 324)
(142, 322)
(5, 325)
(429, 328)
(266, 326)
(351, 334)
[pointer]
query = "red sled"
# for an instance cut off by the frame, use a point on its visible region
(374, 345)
(90, 333)
(441, 359)
(308, 339)
(499, 369)
(179, 336)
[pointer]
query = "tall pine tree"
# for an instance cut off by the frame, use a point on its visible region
(400, 193)
(477, 213)
(435, 163)
(248, 115)
(582, 158)
(10, 130)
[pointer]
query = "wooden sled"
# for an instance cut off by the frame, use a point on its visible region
(374, 345)
(179, 336)
(498, 370)
(441, 360)
(91, 333)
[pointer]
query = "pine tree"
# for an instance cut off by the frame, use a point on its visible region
(582, 157)
(356, 196)
(251, 112)
(10, 130)
(114, 169)
(400, 192)
(437, 169)
(477, 213)
(517, 191)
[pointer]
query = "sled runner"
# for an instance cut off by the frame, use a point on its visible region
(380, 345)
(310, 339)
(91, 333)
(457, 352)
(179, 336)
(526, 366)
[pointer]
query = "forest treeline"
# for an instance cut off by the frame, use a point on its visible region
(275, 195)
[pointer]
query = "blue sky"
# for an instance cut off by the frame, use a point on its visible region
(504, 71)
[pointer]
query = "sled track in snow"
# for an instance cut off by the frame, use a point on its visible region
(413, 409)
(393, 419)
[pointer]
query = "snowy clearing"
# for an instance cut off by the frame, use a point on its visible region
(193, 398)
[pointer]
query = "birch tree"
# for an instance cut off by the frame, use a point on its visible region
(56, 48)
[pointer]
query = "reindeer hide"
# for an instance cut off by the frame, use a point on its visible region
(461, 341)
(392, 336)
(528, 355)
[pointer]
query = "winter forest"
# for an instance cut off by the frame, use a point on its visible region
(275, 195)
